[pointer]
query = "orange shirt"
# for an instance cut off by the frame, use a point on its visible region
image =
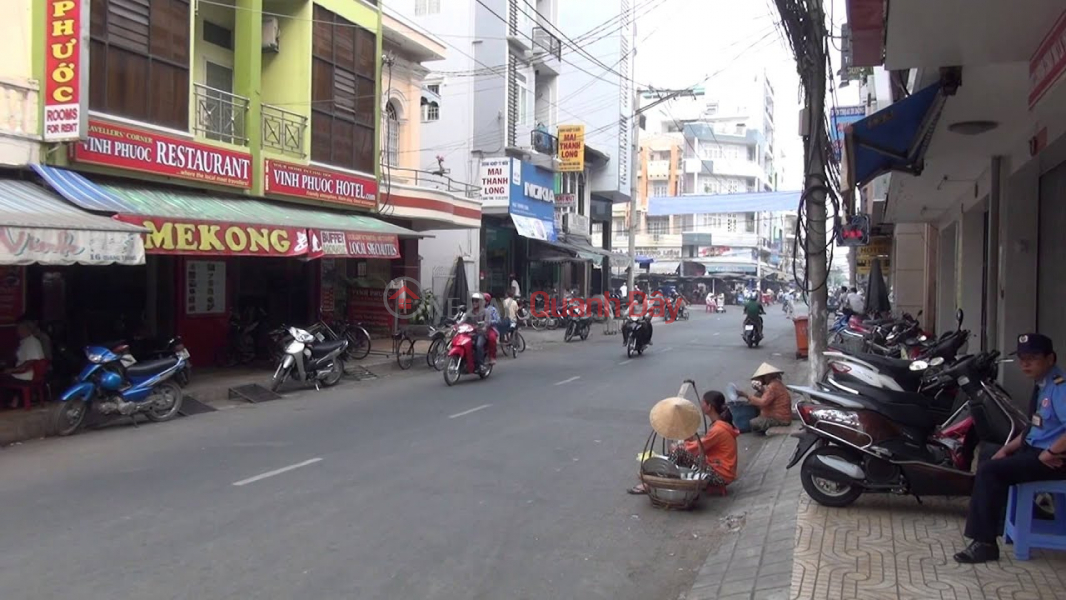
(775, 402)
(719, 448)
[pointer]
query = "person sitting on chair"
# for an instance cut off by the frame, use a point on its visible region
(29, 352)
(719, 444)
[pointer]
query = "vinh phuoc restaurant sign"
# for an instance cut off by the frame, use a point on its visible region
(155, 153)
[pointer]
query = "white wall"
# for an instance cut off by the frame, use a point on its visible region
(18, 91)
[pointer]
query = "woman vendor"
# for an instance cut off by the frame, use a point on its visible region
(719, 444)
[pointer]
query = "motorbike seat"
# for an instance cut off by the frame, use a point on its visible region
(151, 367)
(907, 408)
(898, 369)
(323, 348)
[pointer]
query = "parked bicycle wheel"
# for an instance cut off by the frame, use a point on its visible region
(358, 343)
(405, 354)
(519, 342)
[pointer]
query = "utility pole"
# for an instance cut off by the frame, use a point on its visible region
(634, 185)
(815, 191)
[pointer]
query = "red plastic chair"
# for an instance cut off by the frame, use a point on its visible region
(37, 385)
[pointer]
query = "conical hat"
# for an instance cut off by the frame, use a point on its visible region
(766, 369)
(675, 418)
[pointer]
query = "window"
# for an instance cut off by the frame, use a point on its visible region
(731, 223)
(392, 135)
(139, 60)
(434, 88)
(343, 59)
(618, 226)
(712, 221)
(427, 7)
(686, 222)
(658, 190)
(733, 185)
(430, 111)
(218, 109)
(749, 222)
(525, 104)
(658, 225)
(218, 35)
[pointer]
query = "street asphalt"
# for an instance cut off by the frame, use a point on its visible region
(399, 488)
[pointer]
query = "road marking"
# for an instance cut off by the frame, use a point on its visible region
(467, 412)
(626, 362)
(262, 476)
(717, 332)
(574, 378)
(666, 349)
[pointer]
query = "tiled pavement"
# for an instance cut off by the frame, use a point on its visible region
(893, 548)
(755, 562)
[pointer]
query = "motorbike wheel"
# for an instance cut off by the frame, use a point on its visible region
(569, 332)
(631, 347)
(452, 370)
(170, 406)
(823, 491)
(585, 333)
(69, 416)
(519, 342)
(335, 373)
(552, 323)
(280, 375)
(485, 371)
(749, 342)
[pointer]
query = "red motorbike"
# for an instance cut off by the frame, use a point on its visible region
(461, 355)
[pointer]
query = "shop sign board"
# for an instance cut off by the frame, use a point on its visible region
(287, 179)
(25, 246)
(354, 245)
(572, 148)
(565, 200)
(366, 306)
(205, 287)
(66, 70)
(190, 238)
(840, 118)
(145, 151)
(496, 179)
(878, 246)
(12, 293)
(1048, 62)
(533, 216)
(862, 265)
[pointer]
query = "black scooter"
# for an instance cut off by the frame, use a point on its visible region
(752, 333)
(636, 334)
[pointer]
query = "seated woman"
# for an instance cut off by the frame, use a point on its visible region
(719, 444)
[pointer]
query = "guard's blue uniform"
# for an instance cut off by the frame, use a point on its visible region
(994, 477)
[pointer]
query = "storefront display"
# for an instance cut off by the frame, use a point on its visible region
(205, 287)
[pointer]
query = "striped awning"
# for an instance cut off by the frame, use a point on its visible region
(182, 203)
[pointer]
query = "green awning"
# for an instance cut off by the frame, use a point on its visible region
(190, 204)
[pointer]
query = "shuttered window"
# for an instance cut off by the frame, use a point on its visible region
(343, 93)
(139, 60)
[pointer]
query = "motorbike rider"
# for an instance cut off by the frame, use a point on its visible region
(1036, 454)
(753, 311)
(638, 307)
(483, 313)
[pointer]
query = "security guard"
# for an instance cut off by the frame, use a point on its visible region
(1038, 454)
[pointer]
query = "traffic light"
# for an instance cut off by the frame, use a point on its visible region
(854, 232)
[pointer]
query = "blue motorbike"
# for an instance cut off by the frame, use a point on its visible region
(109, 384)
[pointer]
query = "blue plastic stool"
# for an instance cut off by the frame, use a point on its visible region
(1026, 532)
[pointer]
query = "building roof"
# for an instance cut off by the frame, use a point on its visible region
(723, 203)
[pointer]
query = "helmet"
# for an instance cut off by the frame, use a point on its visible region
(488, 297)
(477, 296)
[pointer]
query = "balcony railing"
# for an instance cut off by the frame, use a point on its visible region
(284, 131)
(221, 115)
(545, 42)
(427, 179)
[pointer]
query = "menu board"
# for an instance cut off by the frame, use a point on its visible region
(328, 282)
(12, 293)
(205, 287)
(367, 306)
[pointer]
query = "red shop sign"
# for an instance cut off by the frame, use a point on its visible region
(287, 179)
(354, 245)
(204, 238)
(1048, 63)
(150, 152)
(66, 68)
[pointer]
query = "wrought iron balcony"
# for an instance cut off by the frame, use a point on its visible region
(284, 131)
(544, 42)
(544, 142)
(427, 179)
(221, 115)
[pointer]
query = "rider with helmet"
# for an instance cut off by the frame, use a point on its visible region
(488, 317)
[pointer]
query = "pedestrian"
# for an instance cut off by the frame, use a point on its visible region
(854, 304)
(771, 397)
(1036, 454)
(515, 287)
(718, 445)
(710, 302)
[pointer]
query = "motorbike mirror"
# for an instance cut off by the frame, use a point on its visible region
(919, 315)
(923, 338)
(958, 317)
(936, 361)
(919, 365)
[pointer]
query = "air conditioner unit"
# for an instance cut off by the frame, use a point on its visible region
(271, 34)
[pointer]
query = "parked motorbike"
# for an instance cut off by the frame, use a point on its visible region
(314, 361)
(462, 355)
(156, 350)
(856, 444)
(109, 386)
(578, 326)
(636, 334)
(752, 333)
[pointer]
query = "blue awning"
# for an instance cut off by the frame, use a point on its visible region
(643, 260)
(81, 192)
(895, 138)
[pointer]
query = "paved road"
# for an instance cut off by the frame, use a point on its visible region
(512, 487)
